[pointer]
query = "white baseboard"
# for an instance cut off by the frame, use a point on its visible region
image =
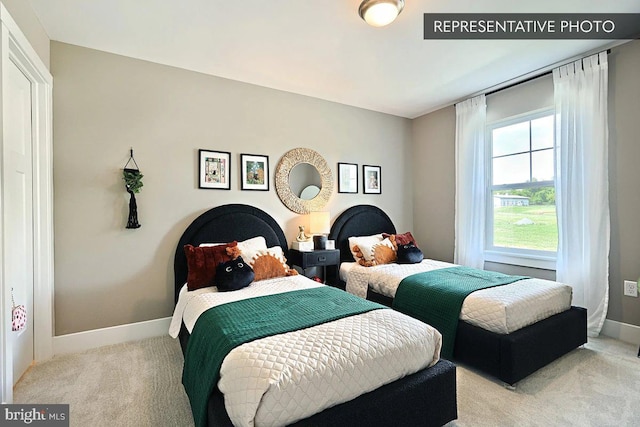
(81, 341)
(621, 331)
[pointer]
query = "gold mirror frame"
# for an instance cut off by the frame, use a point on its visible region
(291, 159)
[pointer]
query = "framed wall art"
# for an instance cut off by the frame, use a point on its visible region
(255, 172)
(372, 179)
(347, 178)
(214, 170)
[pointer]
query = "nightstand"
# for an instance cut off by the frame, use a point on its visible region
(320, 258)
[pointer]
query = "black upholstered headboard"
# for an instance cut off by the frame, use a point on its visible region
(360, 220)
(225, 224)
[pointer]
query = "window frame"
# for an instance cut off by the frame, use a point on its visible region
(505, 255)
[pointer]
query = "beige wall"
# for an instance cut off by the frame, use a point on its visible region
(25, 17)
(433, 152)
(433, 142)
(104, 104)
(624, 179)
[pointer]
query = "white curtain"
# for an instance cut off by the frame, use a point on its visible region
(582, 184)
(471, 176)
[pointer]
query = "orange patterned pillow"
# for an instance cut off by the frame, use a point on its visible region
(270, 263)
(383, 252)
(360, 246)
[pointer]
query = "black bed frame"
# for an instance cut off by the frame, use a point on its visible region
(508, 357)
(426, 398)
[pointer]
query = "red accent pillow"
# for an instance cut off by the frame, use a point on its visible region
(202, 262)
(403, 239)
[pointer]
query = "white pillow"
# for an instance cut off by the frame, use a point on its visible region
(253, 244)
(262, 260)
(247, 246)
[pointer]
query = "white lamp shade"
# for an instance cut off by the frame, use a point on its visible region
(319, 223)
(379, 13)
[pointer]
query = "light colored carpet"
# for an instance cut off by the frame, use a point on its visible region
(139, 384)
(132, 384)
(596, 385)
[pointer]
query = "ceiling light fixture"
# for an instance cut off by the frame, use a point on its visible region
(379, 13)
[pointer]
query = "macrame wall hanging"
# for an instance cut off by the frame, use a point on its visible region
(133, 182)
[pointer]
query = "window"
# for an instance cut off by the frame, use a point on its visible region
(521, 213)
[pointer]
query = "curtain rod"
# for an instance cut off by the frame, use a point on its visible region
(528, 79)
(525, 77)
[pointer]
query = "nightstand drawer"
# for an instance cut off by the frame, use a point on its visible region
(328, 259)
(320, 258)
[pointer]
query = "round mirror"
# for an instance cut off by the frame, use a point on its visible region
(303, 176)
(298, 170)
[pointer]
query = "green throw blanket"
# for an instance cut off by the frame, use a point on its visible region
(220, 329)
(436, 297)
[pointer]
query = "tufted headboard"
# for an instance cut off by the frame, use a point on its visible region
(224, 224)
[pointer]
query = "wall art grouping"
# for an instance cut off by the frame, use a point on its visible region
(214, 170)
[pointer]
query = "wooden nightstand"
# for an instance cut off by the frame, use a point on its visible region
(320, 258)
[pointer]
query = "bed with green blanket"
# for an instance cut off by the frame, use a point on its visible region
(222, 328)
(302, 327)
(436, 297)
(510, 356)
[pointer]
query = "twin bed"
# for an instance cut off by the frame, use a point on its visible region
(507, 331)
(375, 367)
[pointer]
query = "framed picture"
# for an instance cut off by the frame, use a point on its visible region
(215, 169)
(255, 172)
(372, 179)
(347, 178)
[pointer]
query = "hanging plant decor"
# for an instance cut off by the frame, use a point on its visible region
(133, 183)
(132, 179)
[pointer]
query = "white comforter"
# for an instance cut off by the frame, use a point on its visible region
(501, 309)
(284, 378)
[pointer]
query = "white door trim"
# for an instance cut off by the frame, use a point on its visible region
(14, 47)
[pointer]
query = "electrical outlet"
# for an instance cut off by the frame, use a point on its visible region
(630, 288)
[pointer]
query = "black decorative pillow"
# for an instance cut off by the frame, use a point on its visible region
(409, 254)
(233, 275)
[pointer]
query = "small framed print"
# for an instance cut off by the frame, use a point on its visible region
(372, 179)
(255, 172)
(347, 178)
(215, 169)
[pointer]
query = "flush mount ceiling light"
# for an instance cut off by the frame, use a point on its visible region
(379, 13)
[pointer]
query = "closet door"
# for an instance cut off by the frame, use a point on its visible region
(18, 192)
(26, 203)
